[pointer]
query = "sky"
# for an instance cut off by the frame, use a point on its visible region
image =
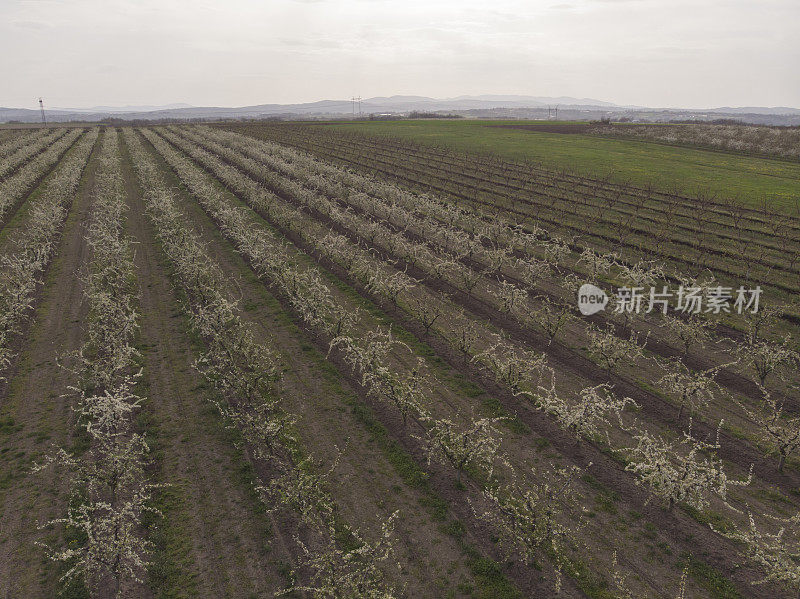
(659, 53)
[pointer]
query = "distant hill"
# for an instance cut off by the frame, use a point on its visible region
(537, 100)
(118, 109)
(756, 110)
(488, 106)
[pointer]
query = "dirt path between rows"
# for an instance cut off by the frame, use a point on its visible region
(35, 415)
(214, 541)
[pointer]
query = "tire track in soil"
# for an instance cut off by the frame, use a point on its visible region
(219, 540)
(361, 477)
(35, 414)
(674, 528)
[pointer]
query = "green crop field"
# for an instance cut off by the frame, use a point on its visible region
(690, 170)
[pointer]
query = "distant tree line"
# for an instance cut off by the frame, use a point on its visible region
(418, 114)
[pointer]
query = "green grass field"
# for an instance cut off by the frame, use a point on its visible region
(690, 170)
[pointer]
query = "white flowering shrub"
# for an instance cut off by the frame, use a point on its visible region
(406, 390)
(511, 366)
(683, 470)
(586, 415)
(512, 299)
(109, 487)
(694, 389)
(764, 358)
(776, 552)
(778, 430)
(551, 317)
(473, 446)
(692, 331)
(355, 573)
(529, 516)
(610, 351)
(598, 263)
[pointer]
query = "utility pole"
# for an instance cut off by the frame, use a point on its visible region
(41, 107)
(556, 111)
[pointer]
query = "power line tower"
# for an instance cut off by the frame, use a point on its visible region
(354, 100)
(41, 107)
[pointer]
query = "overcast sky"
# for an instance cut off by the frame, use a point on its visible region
(676, 53)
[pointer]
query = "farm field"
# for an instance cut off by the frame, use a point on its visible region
(750, 140)
(640, 162)
(262, 359)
